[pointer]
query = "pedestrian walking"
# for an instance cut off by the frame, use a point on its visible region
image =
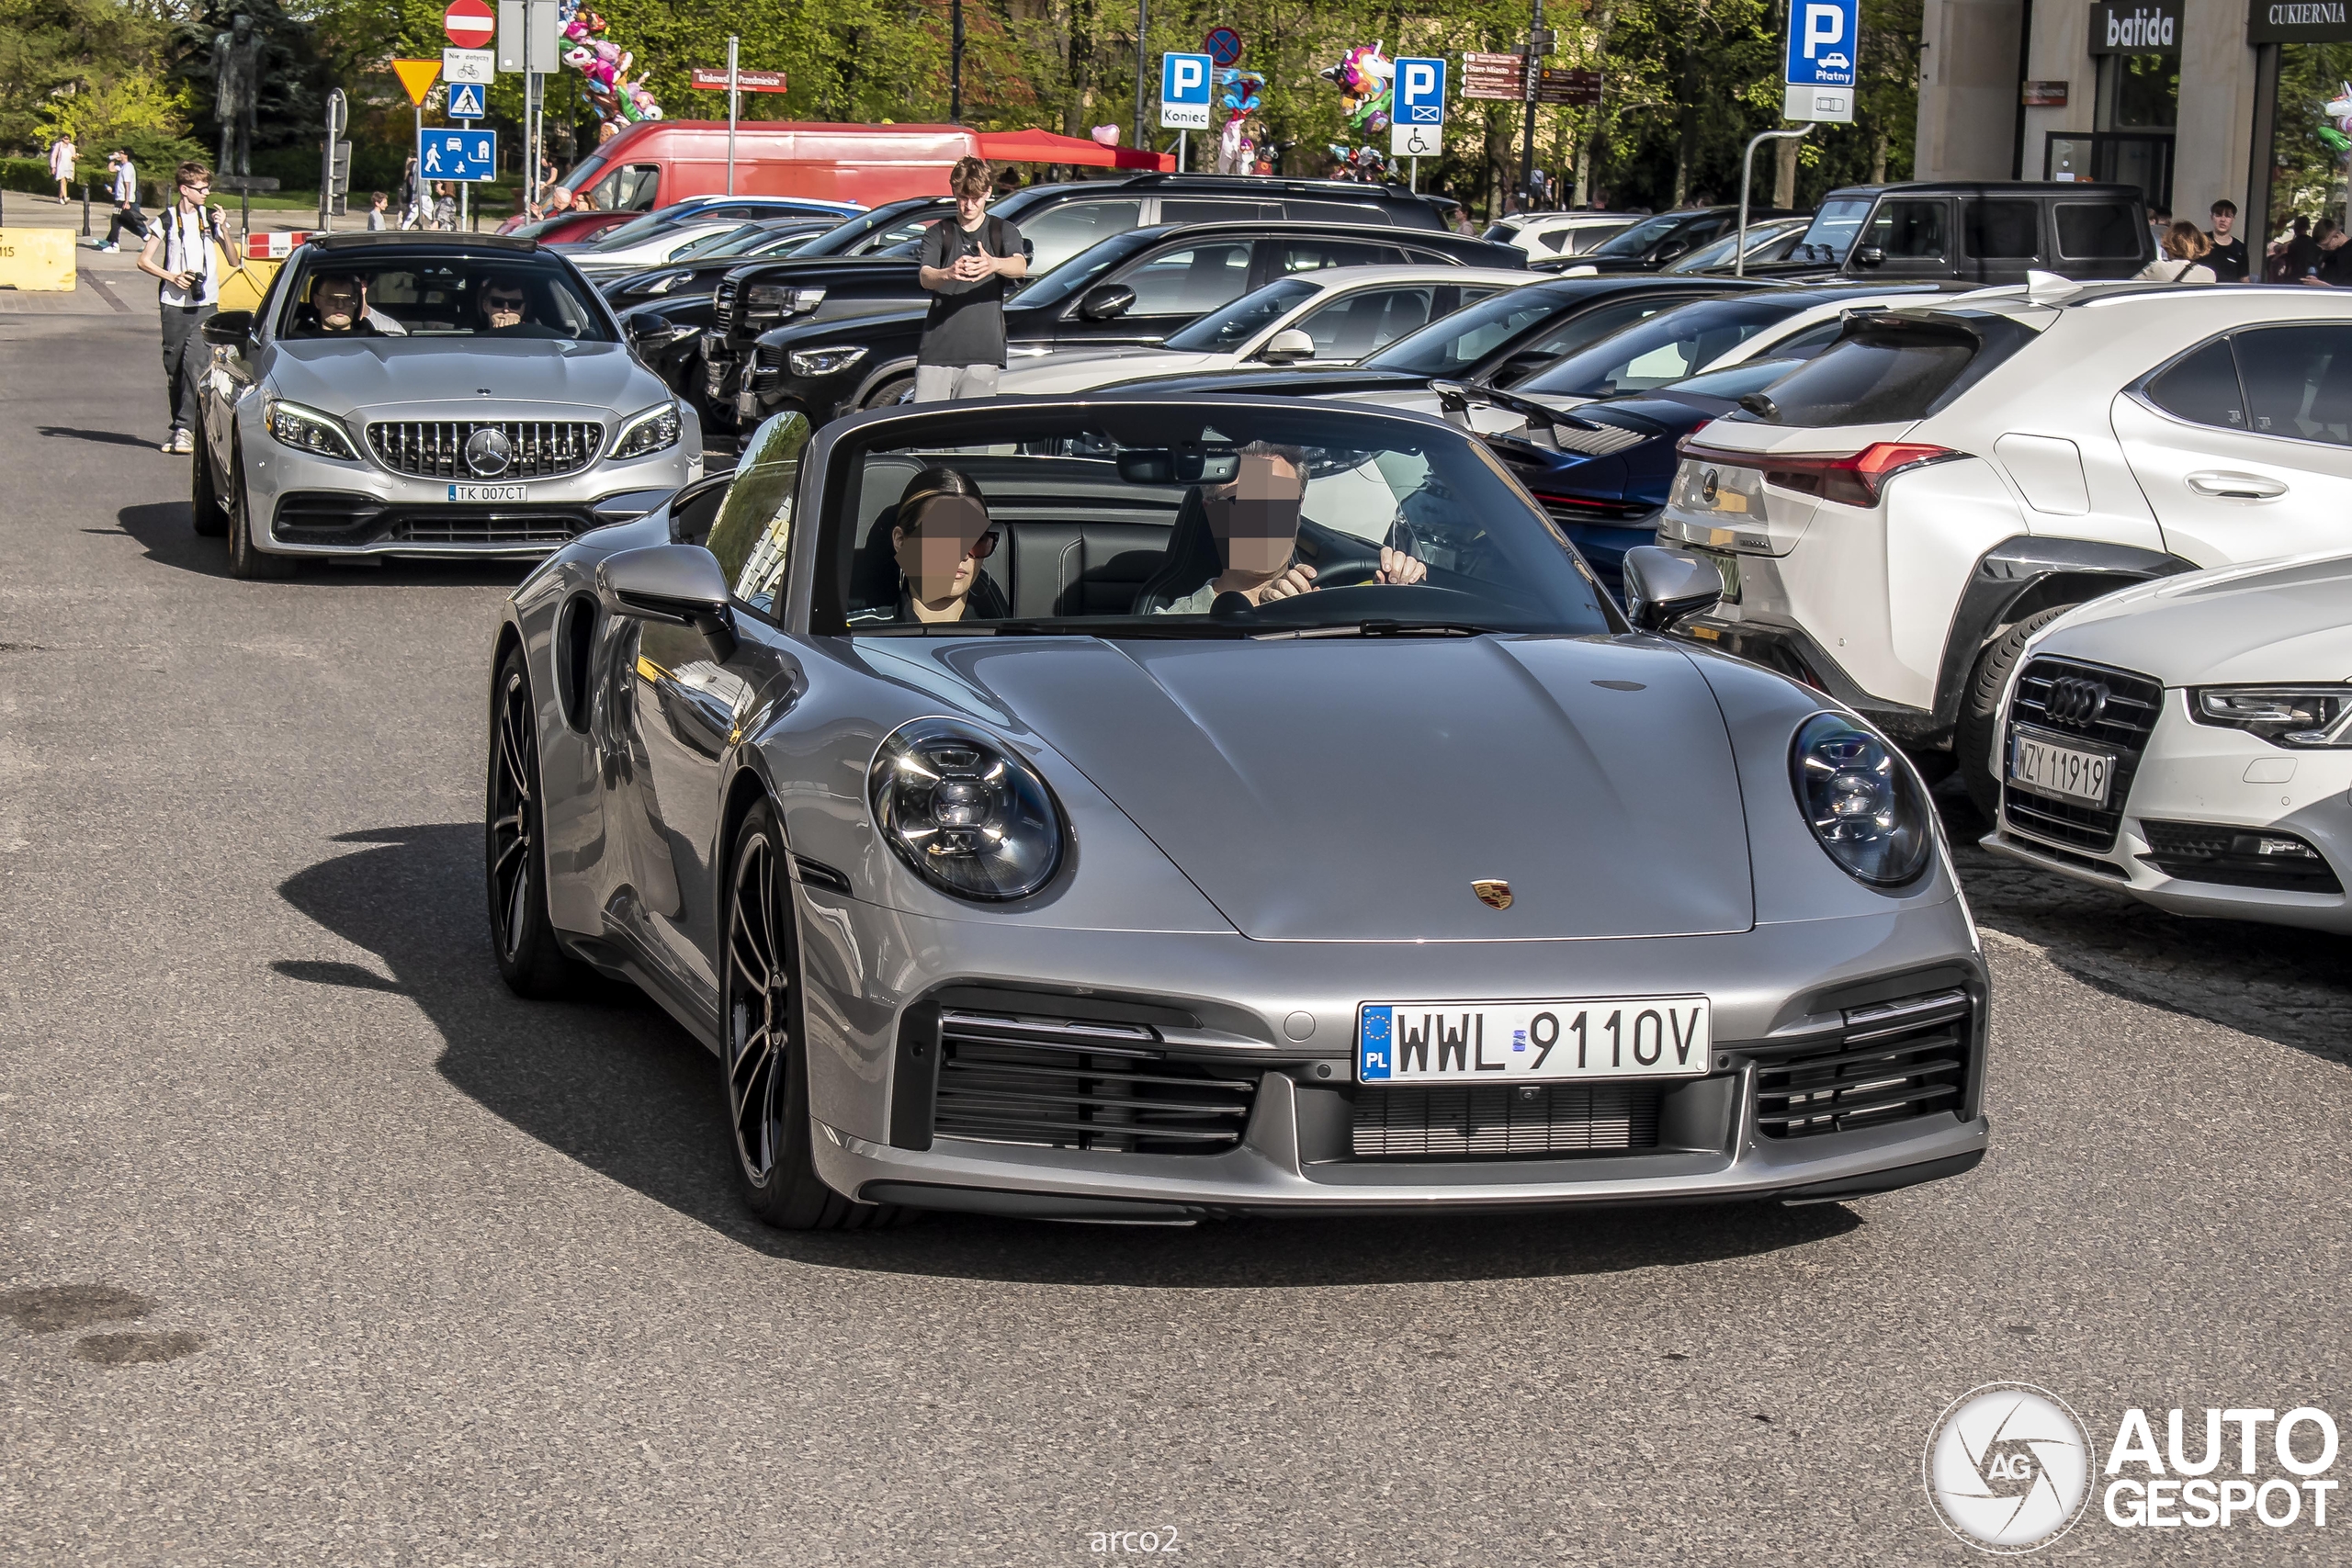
(378, 216)
(128, 219)
(965, 266)
(180, 253)
(62, 153)
(444, 210)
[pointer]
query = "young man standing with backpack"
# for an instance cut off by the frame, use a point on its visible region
(965, 266)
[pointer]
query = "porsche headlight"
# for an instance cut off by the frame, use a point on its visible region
(969, 817)
(2284, 715)
(1862, 801)
(823, 361)
(307, 430)
(655, 430)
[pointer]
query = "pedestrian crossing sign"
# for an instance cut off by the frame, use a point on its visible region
(465, 100)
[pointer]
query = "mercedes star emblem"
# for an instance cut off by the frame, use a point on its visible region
(488, 451)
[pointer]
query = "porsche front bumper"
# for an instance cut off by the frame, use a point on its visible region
(1807, 1099)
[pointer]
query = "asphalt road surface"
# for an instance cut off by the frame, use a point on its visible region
(316, 1245)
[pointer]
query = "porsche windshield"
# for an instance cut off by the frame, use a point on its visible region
(1198, 518)
(517, 296)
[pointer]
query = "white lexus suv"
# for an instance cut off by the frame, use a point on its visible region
(1896, 516)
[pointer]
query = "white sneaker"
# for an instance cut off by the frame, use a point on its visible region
(110, 248)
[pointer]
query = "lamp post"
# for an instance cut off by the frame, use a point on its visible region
(1141, 21)
(1747, 168)
(956, 64)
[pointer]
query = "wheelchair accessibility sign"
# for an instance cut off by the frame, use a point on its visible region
(1418, 128)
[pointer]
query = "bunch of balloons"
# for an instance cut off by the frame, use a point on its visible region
(604, 66)
(1366, 80)
(1237, 152)
(2339, 137)
(1366, 164)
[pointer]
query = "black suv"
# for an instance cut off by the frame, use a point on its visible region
(1134, 287)
(1056, 222)
(1967, 232)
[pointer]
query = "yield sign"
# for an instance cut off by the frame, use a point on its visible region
(469, 23)
(417, 76)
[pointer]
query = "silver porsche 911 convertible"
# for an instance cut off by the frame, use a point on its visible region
(401, 394)
(1139, 809)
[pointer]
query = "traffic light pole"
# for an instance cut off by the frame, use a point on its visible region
(1537, 40)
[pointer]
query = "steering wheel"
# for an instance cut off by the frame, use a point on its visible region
(1355, 573)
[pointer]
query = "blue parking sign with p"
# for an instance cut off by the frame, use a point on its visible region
(1185, 88)
(443, 154)
(1822, 42)
(1420, 92)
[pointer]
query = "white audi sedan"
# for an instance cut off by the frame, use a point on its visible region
(1331, 316)
(2189, 742)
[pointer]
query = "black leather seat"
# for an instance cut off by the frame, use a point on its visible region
(1190, 562)
(1045, 567)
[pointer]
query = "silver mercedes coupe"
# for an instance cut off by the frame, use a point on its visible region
(426, 395)
(1141, 809)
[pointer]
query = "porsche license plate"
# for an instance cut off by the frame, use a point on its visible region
(1616, 1037)
(2060, 770)
(485, 492)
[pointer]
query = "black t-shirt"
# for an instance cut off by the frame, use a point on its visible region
(2228, 261)
(966, 321)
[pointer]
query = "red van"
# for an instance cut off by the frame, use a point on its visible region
(655, 162)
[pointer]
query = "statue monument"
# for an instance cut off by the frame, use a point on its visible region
(236, 85)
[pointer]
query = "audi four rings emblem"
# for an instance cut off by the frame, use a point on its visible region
(2075, 701)
(488, 451)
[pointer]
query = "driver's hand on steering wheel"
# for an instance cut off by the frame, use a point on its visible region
(1298, 579)
(1398, 567)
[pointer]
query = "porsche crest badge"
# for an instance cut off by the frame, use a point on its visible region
(1494, 893)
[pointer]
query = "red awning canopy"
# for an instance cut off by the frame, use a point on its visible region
(1045, 147)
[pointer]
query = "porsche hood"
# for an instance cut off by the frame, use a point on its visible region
(1353, 791)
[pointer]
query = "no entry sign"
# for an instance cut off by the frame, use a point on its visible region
(471, 24)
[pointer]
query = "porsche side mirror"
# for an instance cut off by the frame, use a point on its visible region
(229, 328)
(679, 584)
(1868, 255)
(1106, 301)
(1289, 346)
(1662, 586)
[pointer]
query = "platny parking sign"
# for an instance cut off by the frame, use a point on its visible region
(1822, 42)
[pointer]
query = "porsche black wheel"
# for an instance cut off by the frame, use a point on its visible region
(205, 514)
(530, 960)
(762, 1055)
(245, 561)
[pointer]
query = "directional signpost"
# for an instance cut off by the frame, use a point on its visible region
(1416, 127)
(1823, 40)
(1185, 98)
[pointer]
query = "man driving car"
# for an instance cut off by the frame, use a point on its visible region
(502, 302)
(340, 303)
(1254, 519)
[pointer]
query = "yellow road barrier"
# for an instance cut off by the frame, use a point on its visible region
(37, 259)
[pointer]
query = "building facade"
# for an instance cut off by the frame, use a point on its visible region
(2181, 97)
